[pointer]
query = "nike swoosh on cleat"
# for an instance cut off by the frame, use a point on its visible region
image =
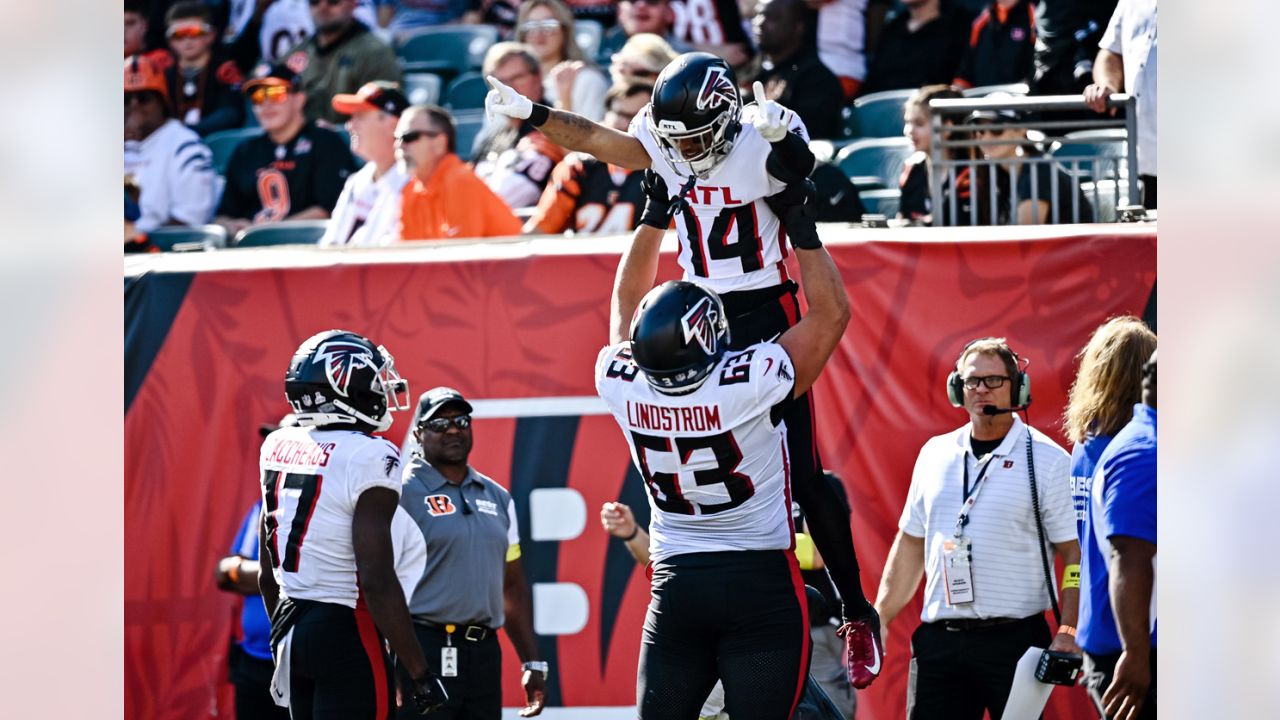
(874, 669)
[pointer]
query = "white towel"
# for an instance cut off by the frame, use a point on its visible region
(280, 678)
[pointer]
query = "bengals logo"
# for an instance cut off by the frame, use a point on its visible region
(700, 324)
(716, 90)
(341, 358)
(439, 505)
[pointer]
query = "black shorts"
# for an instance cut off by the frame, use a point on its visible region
(338, 668)
(758, 316)
(739, 617)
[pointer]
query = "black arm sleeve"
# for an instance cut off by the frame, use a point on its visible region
(790, 159)
(828, 518)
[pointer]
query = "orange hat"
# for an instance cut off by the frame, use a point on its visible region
(375, 95)
(141, 74)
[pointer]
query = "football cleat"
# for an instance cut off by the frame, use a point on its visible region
(863, 649)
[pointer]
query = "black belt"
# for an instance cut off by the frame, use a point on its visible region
(474, 633)
(962, 624)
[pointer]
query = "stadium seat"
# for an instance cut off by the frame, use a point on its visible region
(881, 202)
(449, 50)
(1087, 144)
(469, 124)
(423, 88)
(288, 232)
(589, 34)
(197, 237)
(878, 115)
(466, 92)
(224, 141)
(877, 158)
(1018, 89)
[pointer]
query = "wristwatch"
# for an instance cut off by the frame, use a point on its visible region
(537, 666)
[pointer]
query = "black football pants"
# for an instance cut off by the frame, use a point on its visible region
(339, 670)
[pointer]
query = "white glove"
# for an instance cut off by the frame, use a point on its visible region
(502, 100)
(768, 122)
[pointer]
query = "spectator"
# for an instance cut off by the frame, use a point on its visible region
(791, 73)
(921, 44)
(401, 16)
(1127, 61)
(604, 12)
(205, 85)
(571, 82)
(916, 203)
(714, 26)
(841, 34)
(589, 196)
(473, 581)
(1038, 201)
(340, 57)
(172, 169)
(637, 17)
(1067, 34)
(368, 210)
(294, 170)
(1001, 45)
(443, 198)
(982, 610)
(134, 241)
(514, 159)
(1107, 386)
(641, 59)
(135, 34)
(1118, 612)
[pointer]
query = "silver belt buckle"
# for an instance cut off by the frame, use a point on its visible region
(477, 636)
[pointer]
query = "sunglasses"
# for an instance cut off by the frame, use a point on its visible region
(188, 31)
(441, 425)
(269, 94)
(540, 26)
(413, 135)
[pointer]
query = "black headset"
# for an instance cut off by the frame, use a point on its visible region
(1020, 389)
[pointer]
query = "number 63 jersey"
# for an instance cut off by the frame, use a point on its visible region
(714, 460)
(311, 479)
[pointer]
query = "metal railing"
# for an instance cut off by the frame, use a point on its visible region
(1107, 177)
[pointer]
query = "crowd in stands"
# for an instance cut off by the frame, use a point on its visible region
(322, 101)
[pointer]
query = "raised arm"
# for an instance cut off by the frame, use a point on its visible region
(566, 129)
(638, 267)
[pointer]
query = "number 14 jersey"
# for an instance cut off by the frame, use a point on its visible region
(714, 461)
(311, 480)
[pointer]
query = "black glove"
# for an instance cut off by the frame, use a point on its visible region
(794, 206)
(659, 206)
(429, 694)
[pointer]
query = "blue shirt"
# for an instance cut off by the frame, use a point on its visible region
(1123, 502)
(1084, 458)
(254, 623)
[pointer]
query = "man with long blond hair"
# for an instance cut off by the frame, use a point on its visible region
(1107, 386)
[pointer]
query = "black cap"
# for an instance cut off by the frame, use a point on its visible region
(275, 74)
(436, 398)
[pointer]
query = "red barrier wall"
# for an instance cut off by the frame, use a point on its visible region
(529, 325)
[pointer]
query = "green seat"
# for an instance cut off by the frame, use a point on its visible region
(466, 92)
(223, 142)
(287, 232)
(878, 115)
(876, 158)
(423, 88)
(1076, 150)
(469, 123)
(448, 50)
(185, 237)
(981, 91)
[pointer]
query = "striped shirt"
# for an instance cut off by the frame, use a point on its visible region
(1008, 577)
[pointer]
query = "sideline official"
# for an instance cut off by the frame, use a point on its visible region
(473, 580)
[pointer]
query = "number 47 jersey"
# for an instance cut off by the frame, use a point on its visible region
(714, 460)
(311, 480)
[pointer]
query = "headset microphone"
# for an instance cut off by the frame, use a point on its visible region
(990, 410)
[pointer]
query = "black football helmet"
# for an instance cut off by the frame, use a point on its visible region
(340, 377)
(678, 335)
(696, 112)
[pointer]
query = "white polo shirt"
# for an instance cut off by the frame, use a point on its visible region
(1131, 34)
(1008, 576)
(368, 211)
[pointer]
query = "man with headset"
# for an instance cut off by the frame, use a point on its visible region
(986, 501)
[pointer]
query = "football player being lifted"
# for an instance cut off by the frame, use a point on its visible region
(735, 180)
(330, 489)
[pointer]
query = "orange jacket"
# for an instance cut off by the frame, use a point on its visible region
(453, 203)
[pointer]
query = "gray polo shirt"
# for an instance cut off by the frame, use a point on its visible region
(470, 532)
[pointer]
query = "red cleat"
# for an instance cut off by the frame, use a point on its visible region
(864, 652)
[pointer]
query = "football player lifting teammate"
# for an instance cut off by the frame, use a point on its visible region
(735, 179)
(330, 489)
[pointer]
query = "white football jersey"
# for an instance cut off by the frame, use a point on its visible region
(714, 460)
(311, 479)
(729, 238)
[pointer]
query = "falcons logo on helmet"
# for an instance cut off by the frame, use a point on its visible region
(700, 324)
(341, 359)
(716, 90)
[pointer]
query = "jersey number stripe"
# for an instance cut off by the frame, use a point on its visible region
(665, 487)
(307, 499)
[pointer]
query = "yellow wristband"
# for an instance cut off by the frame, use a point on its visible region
(1071, 576)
